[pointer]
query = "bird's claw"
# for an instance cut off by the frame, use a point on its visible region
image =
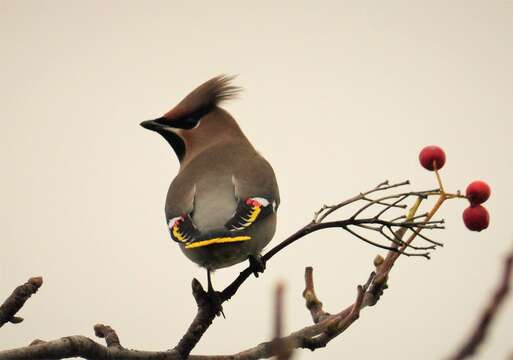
(214, 298)
(256, 264)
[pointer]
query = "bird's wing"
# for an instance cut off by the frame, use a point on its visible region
(257, 196)
(179, 215)
(248, 212)
(180, 198)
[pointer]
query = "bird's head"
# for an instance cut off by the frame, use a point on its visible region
(197, 122)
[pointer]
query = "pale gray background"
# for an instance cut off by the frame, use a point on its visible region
(339, 96)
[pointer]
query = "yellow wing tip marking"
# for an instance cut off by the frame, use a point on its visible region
(178, 234)
(219, 240)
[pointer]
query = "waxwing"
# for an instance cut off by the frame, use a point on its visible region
(221, 206)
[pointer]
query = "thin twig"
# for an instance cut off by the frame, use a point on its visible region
(396, 240)
(422, 236)
(480, 332)
(395, 196)
(402, 206)
(413, 218)
(312, 301)
(388, 207)
(354, 233)
(330, 209)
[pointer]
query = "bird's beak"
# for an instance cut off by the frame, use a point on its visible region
(155, 125)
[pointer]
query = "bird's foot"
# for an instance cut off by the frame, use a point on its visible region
(214, 298)
(256, 264)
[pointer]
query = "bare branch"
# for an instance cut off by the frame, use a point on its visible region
(316, 225)
(424, 254)
(320, 216)
(282, 348)
(480, 332)
(402, 206)
(278, 311)
(312, 301)
(400, 196)
(17, 299)
(389, 206)
(340, 322)
(202, 321)
(310, 337)
(305, 338)
(108, 333)
(422, 236)
(413, 218)
(84, 347)
(399, 242)
(326, 326)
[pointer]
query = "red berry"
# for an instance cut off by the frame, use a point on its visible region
(476, 217)
(431, 155)
(478, 192)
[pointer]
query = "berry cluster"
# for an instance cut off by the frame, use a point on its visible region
(475, 217)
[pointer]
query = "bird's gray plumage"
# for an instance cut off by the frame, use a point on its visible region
(219, 171)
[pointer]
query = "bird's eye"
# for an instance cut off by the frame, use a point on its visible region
(187, 123)
(192, 120)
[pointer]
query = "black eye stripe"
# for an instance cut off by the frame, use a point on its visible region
(187, 122)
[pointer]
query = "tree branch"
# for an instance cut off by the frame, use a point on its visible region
(17, 299)
(310, 337)
(282, 348)
(480, 332)
(312, 301)
(317, 224)
(203, 319)
(326, 326)
(108, 333)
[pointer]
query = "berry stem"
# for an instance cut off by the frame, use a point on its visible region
(411, 213)
(428, 217)
(438, 178)
(413, 209)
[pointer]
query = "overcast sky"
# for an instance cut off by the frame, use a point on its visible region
(339, 96)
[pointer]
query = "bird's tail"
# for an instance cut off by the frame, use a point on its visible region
(205, 97)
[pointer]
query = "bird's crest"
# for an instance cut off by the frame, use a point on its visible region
(205, 97)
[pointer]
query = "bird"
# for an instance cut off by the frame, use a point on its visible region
(221, 208)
